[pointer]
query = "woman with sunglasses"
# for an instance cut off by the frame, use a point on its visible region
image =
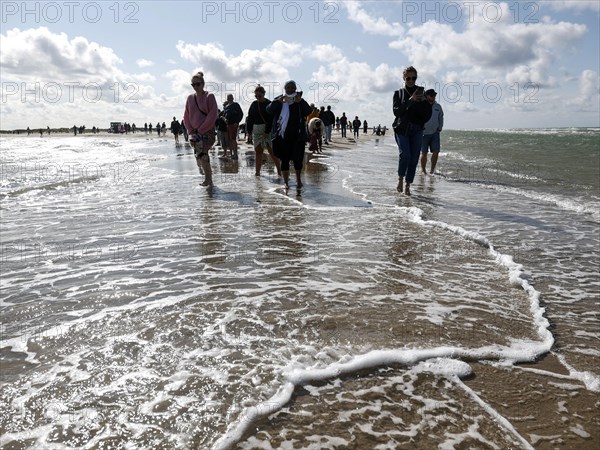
(199, 118)
(411, 112)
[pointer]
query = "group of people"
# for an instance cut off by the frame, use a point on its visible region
(284, 125)
(279, 126)
(419, 120)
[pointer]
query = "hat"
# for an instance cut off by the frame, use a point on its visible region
(430, 92)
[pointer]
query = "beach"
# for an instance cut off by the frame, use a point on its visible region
(142, 310)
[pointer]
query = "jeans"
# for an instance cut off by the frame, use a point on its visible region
(409, 146)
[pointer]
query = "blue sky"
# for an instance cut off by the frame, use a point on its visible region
(493, 64)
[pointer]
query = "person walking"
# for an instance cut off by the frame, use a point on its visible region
(330, 116)
(431, 132)
(289, 132)
(259, 123)
(199, 118)
(412, 111)
(233, 114)
(343, 124)
(356, 126)
(175, 129)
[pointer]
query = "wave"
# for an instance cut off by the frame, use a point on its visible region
(447, 361)
(541, 131)
(567, 204)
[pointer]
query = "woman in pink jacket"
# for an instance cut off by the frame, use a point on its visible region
(199, 118)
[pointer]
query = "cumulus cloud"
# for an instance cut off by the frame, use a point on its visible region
(38, 54)
(50, 77)
(588, 96)
(491, 48)
(371, 24)
(144, 63)
(488, 44)
(271, 63)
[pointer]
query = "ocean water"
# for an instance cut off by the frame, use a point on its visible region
(142, 311)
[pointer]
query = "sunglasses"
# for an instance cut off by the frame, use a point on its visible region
(411, 78)
(197, 84)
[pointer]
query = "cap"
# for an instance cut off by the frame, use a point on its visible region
(430, 92)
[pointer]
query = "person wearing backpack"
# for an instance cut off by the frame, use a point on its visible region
(233, 115)
(411, 112)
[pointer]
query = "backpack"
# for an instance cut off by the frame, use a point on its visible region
(234, 113)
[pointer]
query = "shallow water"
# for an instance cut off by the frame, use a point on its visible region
(142, 310)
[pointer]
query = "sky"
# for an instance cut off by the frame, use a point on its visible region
(493, 64)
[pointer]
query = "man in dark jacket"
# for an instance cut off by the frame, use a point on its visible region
(233, 115)
(289, 133)
(329, 123)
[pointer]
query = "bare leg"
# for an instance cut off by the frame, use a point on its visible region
(298, 179)
(224, 146)
(234, 147)
(424, 162)
(258, 158)
(286, 178)
(276, 161)
(434, 158)
(204, 163)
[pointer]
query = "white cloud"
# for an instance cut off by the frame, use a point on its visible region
(491, 49)
(588, 95)
(370, 24)
(144, 63)
(38, 54)
(269, 64)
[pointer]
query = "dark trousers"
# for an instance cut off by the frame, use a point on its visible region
(409, 147)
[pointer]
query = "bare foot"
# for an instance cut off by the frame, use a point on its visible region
(206, 183)
(399, 188)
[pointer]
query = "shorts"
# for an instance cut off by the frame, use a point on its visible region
(232, 129)
(430, 142)
(203, 145)
(259, 138)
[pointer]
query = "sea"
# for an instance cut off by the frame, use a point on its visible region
(140, 310)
